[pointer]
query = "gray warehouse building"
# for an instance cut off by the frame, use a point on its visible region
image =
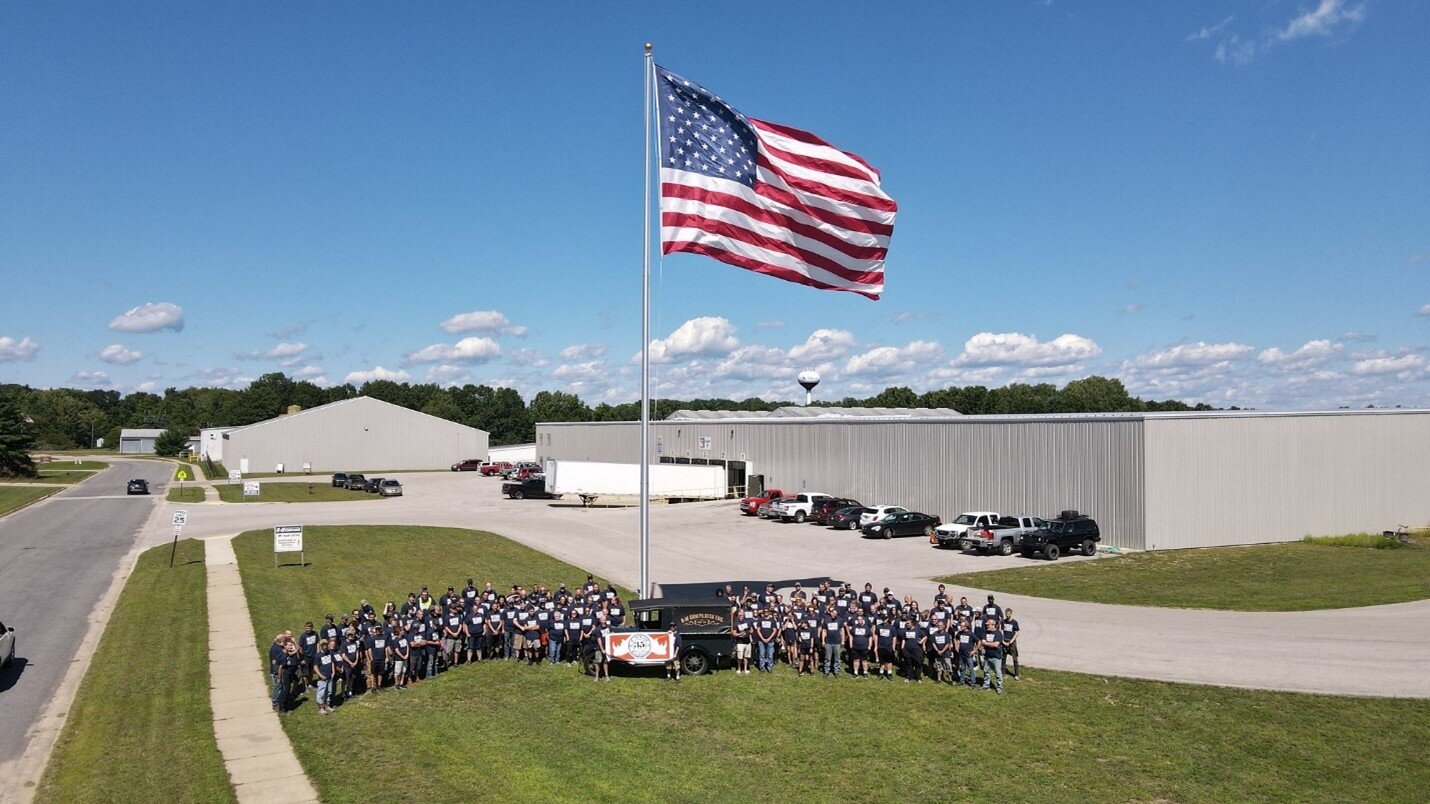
(359, 434)
(138, 441)
(1153, 481)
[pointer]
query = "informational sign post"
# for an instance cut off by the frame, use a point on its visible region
(639, 647)
(181, 518)
(234, 476)
(252, 488)
(289, 539)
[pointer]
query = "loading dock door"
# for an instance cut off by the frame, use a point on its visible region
(735, 477)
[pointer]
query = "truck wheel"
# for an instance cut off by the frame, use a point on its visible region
(799, 517)
(588, 663)
(1089, 548)
(964, 544)
(1051, 552)
(1005, 548)
(518, 495)
(695, 663)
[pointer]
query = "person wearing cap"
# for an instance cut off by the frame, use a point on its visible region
(329, 631)
(992, 610)
(992, 645)
(1010, 642)
(424, 600)
(672, 665)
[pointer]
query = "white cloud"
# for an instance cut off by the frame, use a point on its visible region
(1424, 310)
(583, 351)
(1389, 365)
(1017, 349)
(467, 350)
(1235, 50)
(282, 352)
(823, 344)
(1358, 337)
(490, 322)
(446, 374)
(1323, 20)
(221, 378)
(1132, 308)
(899, 318)
(1209, 31)
(889, 360)
(12, 350)
(707, 335)
(1192, 354)
(91, 378)
(118, 354)
(150, 317)
(527, 357)
(307, 373)
(378, 373)
(1312, 353)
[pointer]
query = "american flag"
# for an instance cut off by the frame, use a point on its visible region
(767, 197)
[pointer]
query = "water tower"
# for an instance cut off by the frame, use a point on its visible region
(808, 379)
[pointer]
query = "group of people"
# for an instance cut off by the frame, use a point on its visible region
(367, 650)
(948, 642)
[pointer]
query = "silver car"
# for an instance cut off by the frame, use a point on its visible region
(7, 645)
(389, 487)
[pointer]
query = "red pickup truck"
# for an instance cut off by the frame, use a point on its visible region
(750, 506)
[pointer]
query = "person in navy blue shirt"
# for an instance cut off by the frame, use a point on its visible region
(940, 645)
(911, 640)
(992, 645)
(401, 656)
(834, 636)
(967, 644)
(1010, 642)
(991, 610)
(376, 647)
(308, 645)
(291, 674)
(326, 671)
(886, 634)
(789, 637)
(742, 636)
(766, 629)
(805, 634)
(861, 639)
(672, 665)
(275, 668)
(351, 652)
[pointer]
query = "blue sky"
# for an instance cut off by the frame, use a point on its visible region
(1221, 202)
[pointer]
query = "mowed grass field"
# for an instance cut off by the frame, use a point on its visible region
(187, 494)
(1298, 576)
(140, 728)
(293, 492)
(504, 731)
(13, 496)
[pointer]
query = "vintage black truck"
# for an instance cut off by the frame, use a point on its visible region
(702, 622)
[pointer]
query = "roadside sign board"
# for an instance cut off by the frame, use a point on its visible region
(183, 475)
(178, 529)
(639, 647)
(234, 475)
(289, 539)
(181, 516)
(251, 488)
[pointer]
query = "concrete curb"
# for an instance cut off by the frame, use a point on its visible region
(256, 753)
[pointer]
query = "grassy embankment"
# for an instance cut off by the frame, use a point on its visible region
(293, 492)
(187, 494)
(514, 732)
(140, 728)
(1324, 573)
(14, 496)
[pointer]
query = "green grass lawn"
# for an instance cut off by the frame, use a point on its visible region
(1298, 576)
(218, 473)
(322, 491)
(61, 476)
(187, 494)
(70, 465)
(500, 731)
(140, 728)
(14, 496)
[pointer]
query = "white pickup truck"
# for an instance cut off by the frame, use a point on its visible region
(951, 534)
(796, 507)
(1002, 536)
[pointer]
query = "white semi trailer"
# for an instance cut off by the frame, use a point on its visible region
(671, 481)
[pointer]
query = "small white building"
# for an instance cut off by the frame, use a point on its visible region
(211, 443)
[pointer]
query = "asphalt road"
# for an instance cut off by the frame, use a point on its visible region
(56, 561)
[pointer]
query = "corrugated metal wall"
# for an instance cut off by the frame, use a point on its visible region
(361, 434)
(1223, 480)
(941, 467)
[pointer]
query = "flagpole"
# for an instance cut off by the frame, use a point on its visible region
(644, 591)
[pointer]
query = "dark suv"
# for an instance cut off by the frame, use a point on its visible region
(138, 486)
(534, 487)
(821, 511)
(340, 480)
(356, 482)
(1070, 532)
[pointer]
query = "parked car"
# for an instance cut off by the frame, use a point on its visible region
(847, 518)
(797, 508)
(340, 480)
(903, 523)
(390, 487)
(951, 535)
(7, 645)
(1002, 536)
(750, 506)
(356, 482)
(534, 487)
(468, 465)
(878, 512)
(767, 511)
(138, 486)
(372, 485)
(1070, 531)
(494, 468)
(516, 469)
(822, 510)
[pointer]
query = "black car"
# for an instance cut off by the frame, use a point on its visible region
(534, 487)
(340, 480)
(822, 510)
(373, 483)
(907, 523)
(356, 482)
(138, 486)
(1070, 532)
(847, 518)
(702, 622)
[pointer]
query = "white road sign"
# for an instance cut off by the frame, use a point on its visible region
(288, 539)
(251, 488)
(234, 474)
(181, 516)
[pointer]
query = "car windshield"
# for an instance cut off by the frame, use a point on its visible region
(389, 482)
(964, 519)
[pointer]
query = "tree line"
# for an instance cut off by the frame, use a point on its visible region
(67, 418)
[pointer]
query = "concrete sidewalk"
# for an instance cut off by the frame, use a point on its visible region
(260, 761)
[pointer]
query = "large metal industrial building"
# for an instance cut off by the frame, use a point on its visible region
(359, 434)
(1153, 481)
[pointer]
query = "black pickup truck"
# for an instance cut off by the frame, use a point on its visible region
(1070, 532)
(534, 487)
(703, 624)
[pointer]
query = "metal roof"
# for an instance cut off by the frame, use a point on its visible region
(812, 412)
(686, 415)
(928, 416)
(141, 432)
